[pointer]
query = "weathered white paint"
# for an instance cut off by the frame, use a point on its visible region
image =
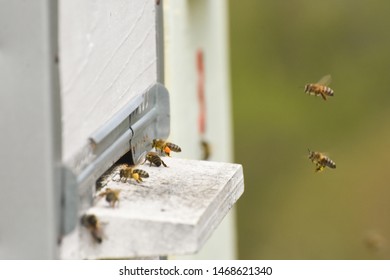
(174, 211)
(189, 26)
(107, 56)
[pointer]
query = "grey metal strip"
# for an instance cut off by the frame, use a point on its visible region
(132, 129)
(115, 122)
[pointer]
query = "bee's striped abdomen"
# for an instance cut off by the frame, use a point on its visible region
(328, 162)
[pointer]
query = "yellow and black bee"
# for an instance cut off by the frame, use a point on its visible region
(206, 149)
(320, 88)
(155, 159)
(129, 172)
(112, 196)
(321, 161)
(165, 147)
(92, 224)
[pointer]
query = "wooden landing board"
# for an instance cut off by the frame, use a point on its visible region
(172, 212)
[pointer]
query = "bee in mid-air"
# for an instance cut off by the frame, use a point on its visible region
(155, 159)
(112, 196)
(321, 161)
(91, 222)
(129, 172)
(165, 147)
(320, 88)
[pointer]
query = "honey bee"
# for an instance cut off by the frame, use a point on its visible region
(112, 196)
(129, 172)
(320, 88)
(165, 147)
(206, 148)
(321, 161)
(154, 158)
(91, 222)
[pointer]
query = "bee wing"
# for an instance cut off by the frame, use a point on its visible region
(325, 80)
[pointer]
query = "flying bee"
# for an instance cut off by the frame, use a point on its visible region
(129, 172)
(321, 161)
(165, 147)
(112, 196)
(92, 224)
(155, 159)
(320, 88)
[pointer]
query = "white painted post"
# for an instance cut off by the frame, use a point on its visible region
(192, 27)
(30, 123)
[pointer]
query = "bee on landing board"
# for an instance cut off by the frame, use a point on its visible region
(155, 159)
(91, 223)
(321, 161)
(112, 196)
(165, 147)
(320, 88)
(130, 172)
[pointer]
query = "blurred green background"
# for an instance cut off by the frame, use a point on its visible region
(288, 211)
